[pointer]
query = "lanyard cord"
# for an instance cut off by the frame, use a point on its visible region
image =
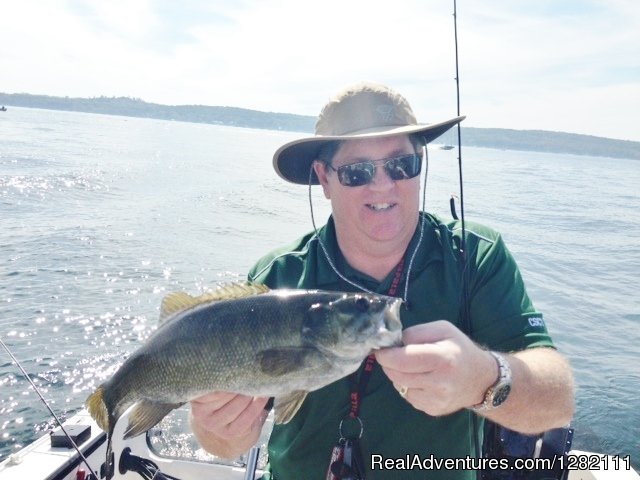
(359, 386)
(397, 277)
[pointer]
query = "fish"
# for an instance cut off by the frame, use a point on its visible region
(247, 339)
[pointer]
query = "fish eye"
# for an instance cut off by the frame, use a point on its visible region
(362, 304)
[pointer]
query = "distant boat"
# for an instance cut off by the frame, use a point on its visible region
(3, 109)
(448, 140)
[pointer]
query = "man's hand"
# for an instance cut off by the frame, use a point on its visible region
(440, 368)
(227, 424)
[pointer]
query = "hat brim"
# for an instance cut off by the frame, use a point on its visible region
(293, 160)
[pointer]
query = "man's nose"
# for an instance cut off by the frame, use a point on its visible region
(381, 179)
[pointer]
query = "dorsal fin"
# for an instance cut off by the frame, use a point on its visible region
(176, 302)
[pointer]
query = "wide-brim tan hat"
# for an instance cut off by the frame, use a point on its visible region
(364, 110)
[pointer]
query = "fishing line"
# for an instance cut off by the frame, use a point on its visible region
(35, 388)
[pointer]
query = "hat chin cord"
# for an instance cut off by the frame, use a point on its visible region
(331, 263)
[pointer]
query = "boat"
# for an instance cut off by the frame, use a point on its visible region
(449, 139)
(3, 108)
(53, 457)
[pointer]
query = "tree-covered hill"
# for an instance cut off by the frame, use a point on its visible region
(531, 140)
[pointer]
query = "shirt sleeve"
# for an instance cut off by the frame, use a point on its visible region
(502, 314)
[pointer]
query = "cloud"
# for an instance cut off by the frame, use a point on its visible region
(527, 64)
(130, 19)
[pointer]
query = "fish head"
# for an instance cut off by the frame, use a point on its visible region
(354, 324)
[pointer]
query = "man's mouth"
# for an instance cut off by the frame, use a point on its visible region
(378, 207)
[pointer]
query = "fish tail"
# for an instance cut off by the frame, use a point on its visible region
(100, 413)
(97, 408)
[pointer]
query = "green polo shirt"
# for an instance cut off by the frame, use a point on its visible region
(395, 434)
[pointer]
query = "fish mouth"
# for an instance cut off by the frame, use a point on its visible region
(391, 328)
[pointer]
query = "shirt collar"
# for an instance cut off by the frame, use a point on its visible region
(430, 250)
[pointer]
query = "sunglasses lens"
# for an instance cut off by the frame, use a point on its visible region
(400, 168)
(356, 174)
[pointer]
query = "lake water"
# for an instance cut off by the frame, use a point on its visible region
(101, 216)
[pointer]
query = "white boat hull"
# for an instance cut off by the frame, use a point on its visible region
(41, 461)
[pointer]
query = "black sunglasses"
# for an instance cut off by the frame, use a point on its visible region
(362, 173)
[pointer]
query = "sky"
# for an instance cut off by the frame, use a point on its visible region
(561, 65)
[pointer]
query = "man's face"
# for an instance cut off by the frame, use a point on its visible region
(381, 211)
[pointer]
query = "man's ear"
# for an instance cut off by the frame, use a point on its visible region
(321, 172)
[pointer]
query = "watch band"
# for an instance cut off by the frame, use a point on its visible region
(497, 393)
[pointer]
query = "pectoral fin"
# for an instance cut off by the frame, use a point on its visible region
(145, 415)
(276, 362)
(287, 406)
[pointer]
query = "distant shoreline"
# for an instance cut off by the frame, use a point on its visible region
(499, 138)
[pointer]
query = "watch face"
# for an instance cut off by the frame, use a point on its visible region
(501, 395)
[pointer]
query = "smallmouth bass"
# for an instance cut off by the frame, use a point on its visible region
(246, 339)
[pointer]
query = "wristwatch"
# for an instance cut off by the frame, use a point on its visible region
(499, 391)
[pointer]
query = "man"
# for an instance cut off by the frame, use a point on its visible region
(419, 400)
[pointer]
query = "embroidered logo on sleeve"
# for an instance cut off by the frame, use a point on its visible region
(536, 322)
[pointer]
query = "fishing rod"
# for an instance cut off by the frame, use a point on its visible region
(459, 129)
(46, 404)
(463, 241)
(146, 468)
(466, 314)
